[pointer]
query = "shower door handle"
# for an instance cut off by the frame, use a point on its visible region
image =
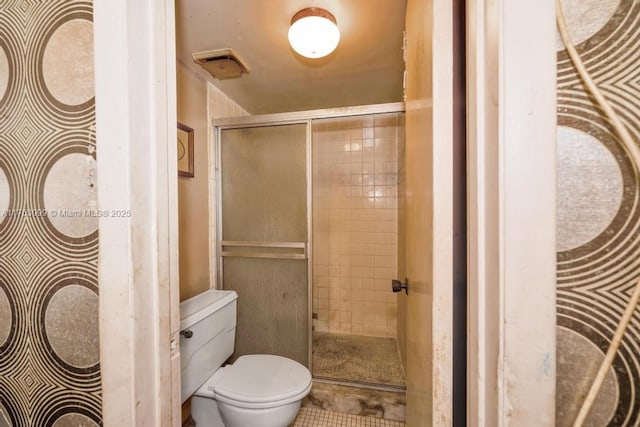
(397, 286)
(283, 250)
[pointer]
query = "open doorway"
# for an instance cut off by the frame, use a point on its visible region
(351, 316)
(363, 339)
(119, 83)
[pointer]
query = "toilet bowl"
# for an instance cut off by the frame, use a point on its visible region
(259, 390)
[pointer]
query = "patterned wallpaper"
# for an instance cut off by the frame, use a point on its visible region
(598, 213)
(49, 346)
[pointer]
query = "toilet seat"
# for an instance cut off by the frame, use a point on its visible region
(263, 381)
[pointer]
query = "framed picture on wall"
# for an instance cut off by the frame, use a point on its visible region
(185, 151)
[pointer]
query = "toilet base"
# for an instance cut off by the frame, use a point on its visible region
(204, 412)
(208, 412)
(280, 416)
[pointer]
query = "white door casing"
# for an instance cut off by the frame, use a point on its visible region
(138, 263)
(511, 65)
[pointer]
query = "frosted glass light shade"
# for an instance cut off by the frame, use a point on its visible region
(314, 33)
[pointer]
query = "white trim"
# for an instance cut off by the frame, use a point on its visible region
(116, 340)
(511, 188)
(135, 123)
(217, 231)
(212, 154)
(482, 127)
(442, 308)
(309, 136)
(169, 292)
(303, 116)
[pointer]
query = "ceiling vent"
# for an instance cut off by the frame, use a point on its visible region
(221, 63)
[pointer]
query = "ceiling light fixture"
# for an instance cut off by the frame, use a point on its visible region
(314, 32)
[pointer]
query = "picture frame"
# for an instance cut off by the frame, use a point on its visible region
(185, 151)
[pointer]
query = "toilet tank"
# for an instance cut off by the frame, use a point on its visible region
(207, 336)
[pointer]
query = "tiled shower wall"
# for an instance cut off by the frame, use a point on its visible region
(49, 346)
(355, 224)
(598, 230)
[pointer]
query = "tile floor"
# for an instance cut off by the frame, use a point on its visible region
(357, 400)
(314, 417)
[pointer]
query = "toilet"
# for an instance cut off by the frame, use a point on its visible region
(259, 390)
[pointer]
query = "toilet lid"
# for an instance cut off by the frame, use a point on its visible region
(263, 378)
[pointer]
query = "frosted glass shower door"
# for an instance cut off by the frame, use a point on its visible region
(263, 173)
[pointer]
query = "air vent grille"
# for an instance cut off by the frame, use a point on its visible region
(221, 63)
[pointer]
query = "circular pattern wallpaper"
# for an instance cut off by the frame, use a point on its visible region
(598, 211)
(49, 340)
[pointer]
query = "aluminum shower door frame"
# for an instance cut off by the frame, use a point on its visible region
(278, 119)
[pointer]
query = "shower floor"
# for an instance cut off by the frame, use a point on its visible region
(358, 359)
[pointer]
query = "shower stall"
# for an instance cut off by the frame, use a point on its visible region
(308, 219)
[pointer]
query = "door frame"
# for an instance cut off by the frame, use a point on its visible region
(135, 80)
(511, 86)
(511, 116)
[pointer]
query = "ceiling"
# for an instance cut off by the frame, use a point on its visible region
(366, 68)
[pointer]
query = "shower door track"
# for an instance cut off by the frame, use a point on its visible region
(306, 115)
(298, 117)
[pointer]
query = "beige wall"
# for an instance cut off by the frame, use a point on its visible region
(355, 224)
(428, 212)
(419, 216)
(198, 102)
(193, 209)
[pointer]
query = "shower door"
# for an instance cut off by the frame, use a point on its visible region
(263, 236)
